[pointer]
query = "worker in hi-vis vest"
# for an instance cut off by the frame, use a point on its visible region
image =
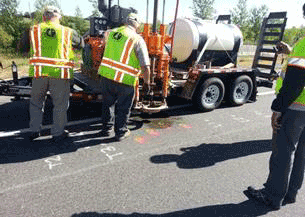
(125, 58)
(287, 161)
(51, 67)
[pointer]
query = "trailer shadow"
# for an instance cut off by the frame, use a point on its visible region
(14, 115)
(206, 155)
(246, 208)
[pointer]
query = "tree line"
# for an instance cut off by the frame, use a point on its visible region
(13, 23)
(248, 19)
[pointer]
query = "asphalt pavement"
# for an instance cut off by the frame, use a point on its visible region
(176, 163)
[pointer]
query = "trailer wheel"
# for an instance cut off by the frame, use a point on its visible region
(210, 94)
(241, 90)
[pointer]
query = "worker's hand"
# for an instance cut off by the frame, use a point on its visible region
(276, 121)
(283, 48)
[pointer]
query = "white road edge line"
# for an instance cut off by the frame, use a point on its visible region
(5, 134)
(266, 93)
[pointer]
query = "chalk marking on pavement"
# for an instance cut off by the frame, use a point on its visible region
(77, 172)
(110, 149)
(50, 161)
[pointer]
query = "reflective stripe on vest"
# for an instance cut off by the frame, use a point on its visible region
(296, 62)
(120, 63)
(122, 67)
(38, 61)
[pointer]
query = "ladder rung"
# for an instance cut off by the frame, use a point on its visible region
(270, 42)
(266, 58)
(274, 25)
(272, 34)
(277, 15)
(264, 66)
(263, 75)
(267, 50)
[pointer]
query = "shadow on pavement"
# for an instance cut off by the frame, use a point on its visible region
(16, 148)
(206, 155)
(15, 115)
(246, 208)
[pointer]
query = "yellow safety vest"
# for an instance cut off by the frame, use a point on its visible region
(119, 62)
(51, 49)
(296, 60)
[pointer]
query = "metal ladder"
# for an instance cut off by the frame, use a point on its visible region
(272, 31)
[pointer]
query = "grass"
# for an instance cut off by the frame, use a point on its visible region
(246, 61)
(7, 56)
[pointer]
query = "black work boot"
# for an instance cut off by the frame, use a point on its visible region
(30, 136)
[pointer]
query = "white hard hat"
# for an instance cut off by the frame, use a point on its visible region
(134, 19)
(52, 9)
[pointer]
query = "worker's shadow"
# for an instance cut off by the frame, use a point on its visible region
(206, 155)
(247, 208)
(15, 148)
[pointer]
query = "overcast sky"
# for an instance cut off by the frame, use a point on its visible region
(293, 8)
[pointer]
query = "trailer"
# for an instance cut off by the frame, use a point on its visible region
(191, 59)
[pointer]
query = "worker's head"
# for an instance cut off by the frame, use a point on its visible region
(51, 13)
(133, 20)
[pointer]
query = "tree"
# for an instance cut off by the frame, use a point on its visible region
(39, 6)
(95, 12)
(203, 8)
(12, 25)
(81, 25)
(292, 35)
(256, 17)
(240, 16)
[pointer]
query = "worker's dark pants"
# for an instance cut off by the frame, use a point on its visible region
(286, 166)
(116, 105)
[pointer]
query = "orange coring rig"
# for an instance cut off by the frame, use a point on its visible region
(160, 59)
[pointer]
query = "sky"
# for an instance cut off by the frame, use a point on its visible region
(293, 8)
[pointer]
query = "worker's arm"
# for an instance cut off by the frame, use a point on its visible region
(146, 74)
(77, 41)
(142, 54)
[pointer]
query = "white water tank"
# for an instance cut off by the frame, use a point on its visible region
(192, 35)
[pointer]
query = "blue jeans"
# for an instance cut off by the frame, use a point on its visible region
(116, 106)
(287, 161)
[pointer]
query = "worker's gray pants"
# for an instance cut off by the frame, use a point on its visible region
(286, 166)
(59, 91)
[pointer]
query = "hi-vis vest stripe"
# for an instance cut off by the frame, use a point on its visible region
(296, 62)
(122, 67)
(38, 61)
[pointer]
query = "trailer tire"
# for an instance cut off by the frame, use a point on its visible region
(241, 90)
(210, 94)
